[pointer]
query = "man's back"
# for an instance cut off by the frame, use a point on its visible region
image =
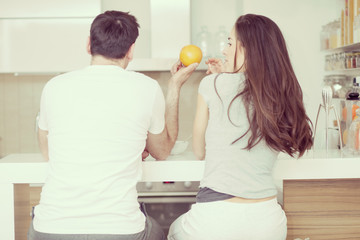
(98, 119)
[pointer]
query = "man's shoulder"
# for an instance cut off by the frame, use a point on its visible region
(142, 78)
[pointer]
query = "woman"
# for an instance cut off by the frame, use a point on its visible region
(246, 114)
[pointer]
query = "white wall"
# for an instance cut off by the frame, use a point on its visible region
(300, 22)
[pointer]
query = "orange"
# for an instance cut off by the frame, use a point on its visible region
(190, 54)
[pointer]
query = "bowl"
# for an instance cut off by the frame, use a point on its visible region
(179, 147)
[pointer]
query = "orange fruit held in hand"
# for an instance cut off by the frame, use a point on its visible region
(190, 54)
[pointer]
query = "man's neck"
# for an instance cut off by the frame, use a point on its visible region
(100, 60)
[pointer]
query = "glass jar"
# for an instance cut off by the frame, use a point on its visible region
(358, 60)
(342, 60)
(203, 41)
(337, 84)
(348, 57)
(356, 28)
(327, 63)
(220, 41)
(354, 134)
(353, 60)
(324, 37)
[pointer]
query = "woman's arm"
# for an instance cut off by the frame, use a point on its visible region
(199, 128)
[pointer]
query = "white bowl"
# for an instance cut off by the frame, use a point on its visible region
(179, 147)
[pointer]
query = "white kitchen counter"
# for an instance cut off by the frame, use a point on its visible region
(31, 168)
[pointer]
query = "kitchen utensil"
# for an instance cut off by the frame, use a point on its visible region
(327, 106)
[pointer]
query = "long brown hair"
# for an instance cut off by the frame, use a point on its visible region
(272, 95)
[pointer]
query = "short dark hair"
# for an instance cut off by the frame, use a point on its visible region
(112, 33)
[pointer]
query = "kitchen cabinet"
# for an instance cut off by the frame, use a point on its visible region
(322, 208)
(51, 45)
(50, 37)
(167, 26)
(315, 208)
(45, 36)
(48, 9)
(164, 29)
(329, 180)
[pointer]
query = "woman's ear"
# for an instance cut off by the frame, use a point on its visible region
(130, 53)
(88, 47)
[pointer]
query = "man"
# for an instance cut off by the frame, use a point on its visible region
(94, 126)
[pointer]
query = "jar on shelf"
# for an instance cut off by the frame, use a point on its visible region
(220, 41)
(348, 59)
(335, 34)
(333, 61)
(204, 41)
(337, 84)
(356, 27)
(354, 134)
(353, 60)
(327, 63)
(358, 60)
(324, 37)
(339, 62)
(327, 81)
(342, 60)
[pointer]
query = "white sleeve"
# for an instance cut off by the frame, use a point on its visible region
(204, 88)
(157, 123)
(43, 125)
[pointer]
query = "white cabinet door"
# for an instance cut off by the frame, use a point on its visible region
(170, 27)
(164, 26)
(49, 8)
(43, 45)
(141, 10)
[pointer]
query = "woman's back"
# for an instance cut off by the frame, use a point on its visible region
(229, 167)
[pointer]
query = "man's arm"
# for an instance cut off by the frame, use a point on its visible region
(160, 145)
(43, 143)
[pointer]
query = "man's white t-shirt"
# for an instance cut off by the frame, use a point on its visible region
(98, 119)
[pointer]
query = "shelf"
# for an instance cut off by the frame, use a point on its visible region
(351, 71)
(347, 48)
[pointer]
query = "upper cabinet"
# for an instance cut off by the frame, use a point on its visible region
(51, 45)
(49, 9)
(50, 36)
(166, 26)
(45, 36)
(164, 30)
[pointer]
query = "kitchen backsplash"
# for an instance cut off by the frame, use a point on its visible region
(20, 99)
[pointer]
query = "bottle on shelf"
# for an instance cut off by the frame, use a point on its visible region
(204, 42)
(354, 92)
(350, 106)
(353, 145)
(220, 41)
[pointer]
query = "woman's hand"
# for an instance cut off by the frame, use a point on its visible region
(215, 65)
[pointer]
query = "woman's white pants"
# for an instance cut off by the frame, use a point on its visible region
(223, 220)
